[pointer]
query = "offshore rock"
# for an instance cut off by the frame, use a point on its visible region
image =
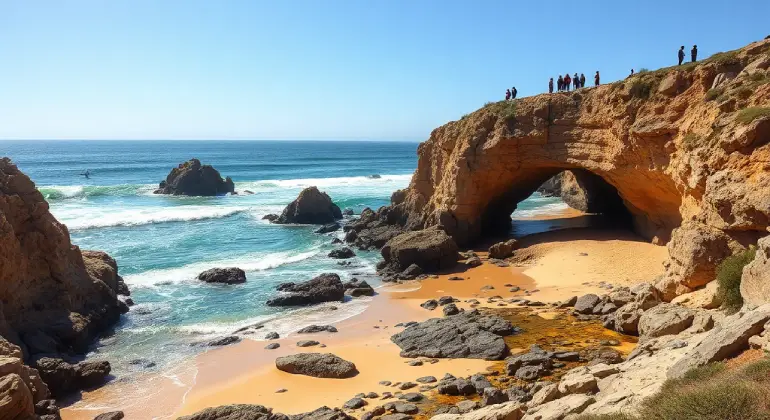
(194, 179)
(312, 207)
(324, 288)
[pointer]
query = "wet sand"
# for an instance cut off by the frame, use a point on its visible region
(551, 266)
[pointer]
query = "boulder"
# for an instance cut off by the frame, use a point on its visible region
(430, 304)
(466, 335)
(323, 413)
(112, 415)
(560, 408)
(356, 288)
(455, 386)
(311, 207)
(755, 282)
(626, 319)
(585, 304)
(231, 275)
(727, 341)
(317, 365)
(503, 250)
(534, 357)
(579, 382)
(664, 319)
(194, 179)
(430, 249)
(311, 329)
(15, 398)
(64, 378)
(450, 309)
(324, 288)
(342, 253)
(504, 411)
(235, 412)
(331, 227)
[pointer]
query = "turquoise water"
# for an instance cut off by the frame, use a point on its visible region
(161, 243)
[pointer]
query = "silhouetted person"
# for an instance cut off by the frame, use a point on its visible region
(582, 80)
(596, 78)
(567, 82)
(514, 92)
(681, 55)
(694, 53)
(507, 94)
(561, 83)
(550, 86)
(576, 81)
(632, 72)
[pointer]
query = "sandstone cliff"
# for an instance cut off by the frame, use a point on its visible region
(54, 298)
(684, 147)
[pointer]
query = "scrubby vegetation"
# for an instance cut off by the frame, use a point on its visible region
(729, 275)
(747, 115)
(715, 93)
(505, 109)
(691, 141)
(641, 88)
(711, 392)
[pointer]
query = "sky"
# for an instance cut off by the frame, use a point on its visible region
(322, 69)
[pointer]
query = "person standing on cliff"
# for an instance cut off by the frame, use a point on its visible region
(576, 81)
(550, 86)
(596, 78)
(681, 55)
(582, 80)
(514, 92)
(694, 53)
(507, 94)
(561, 83)
(567, 81)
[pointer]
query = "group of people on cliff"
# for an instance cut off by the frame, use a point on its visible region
(564, 83)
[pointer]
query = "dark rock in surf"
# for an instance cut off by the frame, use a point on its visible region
(331, 227)
(311, 329)
(112, 415)
(230, 275)
(324, 288)
(356, 288)
(342, 253)
(194, 179)
(347, 212)
(64, 378)
(270, 217)
(311, 207)
(224, 341)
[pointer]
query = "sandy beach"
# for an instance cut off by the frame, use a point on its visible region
(549, 267)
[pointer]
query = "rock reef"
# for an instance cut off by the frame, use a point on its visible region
(195, 179)
(312, 207)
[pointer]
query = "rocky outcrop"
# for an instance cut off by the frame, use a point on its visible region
(258, 412)
(312, 207)
(755, 282)
(502, 250)
(63, 378)
(357, 288)
(317, 365)
(195, 179)
(680, 153)
(21, 387)
(429, 249)
(324, 288)
(55, 298)
(467, 335)
(231, 275)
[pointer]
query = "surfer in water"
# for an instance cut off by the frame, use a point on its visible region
(87, 173)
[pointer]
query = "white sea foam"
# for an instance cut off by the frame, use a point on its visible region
(251, 262)
(82, 218)
(552, 208)
(356, 181)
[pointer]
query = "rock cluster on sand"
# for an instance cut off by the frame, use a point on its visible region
(466, 335)
(312, 207)
(318, 365)
(258, 412)
(503, 250)
(429, 249)
(356, 288)
(324, 288)
(231, 275)
(194, 179)
(63, 378)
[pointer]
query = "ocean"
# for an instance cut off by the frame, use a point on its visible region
(161, 243)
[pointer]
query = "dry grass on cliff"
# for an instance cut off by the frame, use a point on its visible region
(747, 115)
(711, 392)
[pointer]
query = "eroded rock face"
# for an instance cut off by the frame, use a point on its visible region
(755, 282)
(311, 207)
(195, 179)
(429, 249)
(48, 287)
(674, 156)
(466, 335)
(317, 365)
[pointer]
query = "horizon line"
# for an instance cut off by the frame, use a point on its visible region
(215, 139)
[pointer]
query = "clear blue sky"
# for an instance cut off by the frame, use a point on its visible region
(321, 69)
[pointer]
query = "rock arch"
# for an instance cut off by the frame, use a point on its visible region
(686, 148)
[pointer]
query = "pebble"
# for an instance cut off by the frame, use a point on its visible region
(281, 391)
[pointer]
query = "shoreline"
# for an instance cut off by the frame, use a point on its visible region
(245, 372)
